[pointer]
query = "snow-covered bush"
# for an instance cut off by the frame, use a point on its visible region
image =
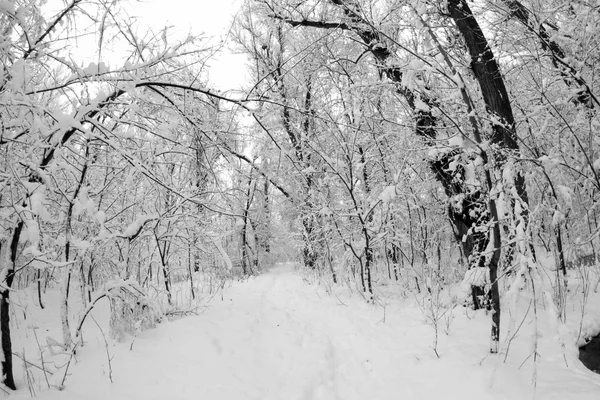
(131, 311)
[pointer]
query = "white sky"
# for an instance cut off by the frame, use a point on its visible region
(210, 17)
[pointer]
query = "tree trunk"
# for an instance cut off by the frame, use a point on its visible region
(244, 234)
(162, 252)
(495, 96)
(267, 222)
(39, 287)
(64, 309)
(7, 366)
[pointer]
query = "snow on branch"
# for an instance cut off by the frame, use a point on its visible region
(134, 229)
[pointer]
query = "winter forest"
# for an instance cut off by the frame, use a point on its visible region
(400, 202)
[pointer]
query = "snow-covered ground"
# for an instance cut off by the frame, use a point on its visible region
(276, 337)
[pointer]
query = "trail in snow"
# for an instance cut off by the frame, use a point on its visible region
(275, 337)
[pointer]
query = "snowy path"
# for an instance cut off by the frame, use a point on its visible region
(274, 337)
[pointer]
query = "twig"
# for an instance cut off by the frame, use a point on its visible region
(41, 357)
(524, 361)
(338, 298)
(73, 350)
(28, 377)
(182, 312)
(107, 352)
(514, 334)
(22, 357)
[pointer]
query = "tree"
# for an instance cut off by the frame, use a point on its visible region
(87, 149)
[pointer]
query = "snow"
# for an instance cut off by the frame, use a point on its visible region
(276, 337)
(566, 193)
(420, 105)
(558, 218)
(32, 231)
(455, 141)
(65, 122)
(388, 194)
(7, 6)
(81, 245)
(84, 203)
(217, 242)
(136, 225)
(477, 276)
(101, 217)
(94, 69)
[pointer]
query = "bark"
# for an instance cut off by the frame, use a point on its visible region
(246, 268)
(495, 96)
(163, 255)
(488, 75)
(267, 222)
(64, 309)
(7, 368)
(39, 288)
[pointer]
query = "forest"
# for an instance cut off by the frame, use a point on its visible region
(442, 154)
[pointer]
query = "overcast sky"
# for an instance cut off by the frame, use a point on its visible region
(211, 17)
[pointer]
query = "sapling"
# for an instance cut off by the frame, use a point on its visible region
(435, 307)
(108, 356)
(42, 358)
(585, 290)
(28, 376)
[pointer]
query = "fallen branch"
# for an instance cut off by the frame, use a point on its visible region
(19, 355)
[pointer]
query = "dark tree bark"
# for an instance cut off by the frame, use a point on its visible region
(495, 96)
(7, 369)
(266, 244)
(39, 287)
(163, 255)
(246, 268)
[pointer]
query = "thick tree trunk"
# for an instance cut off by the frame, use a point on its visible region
(9, 275)
(495, 96)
